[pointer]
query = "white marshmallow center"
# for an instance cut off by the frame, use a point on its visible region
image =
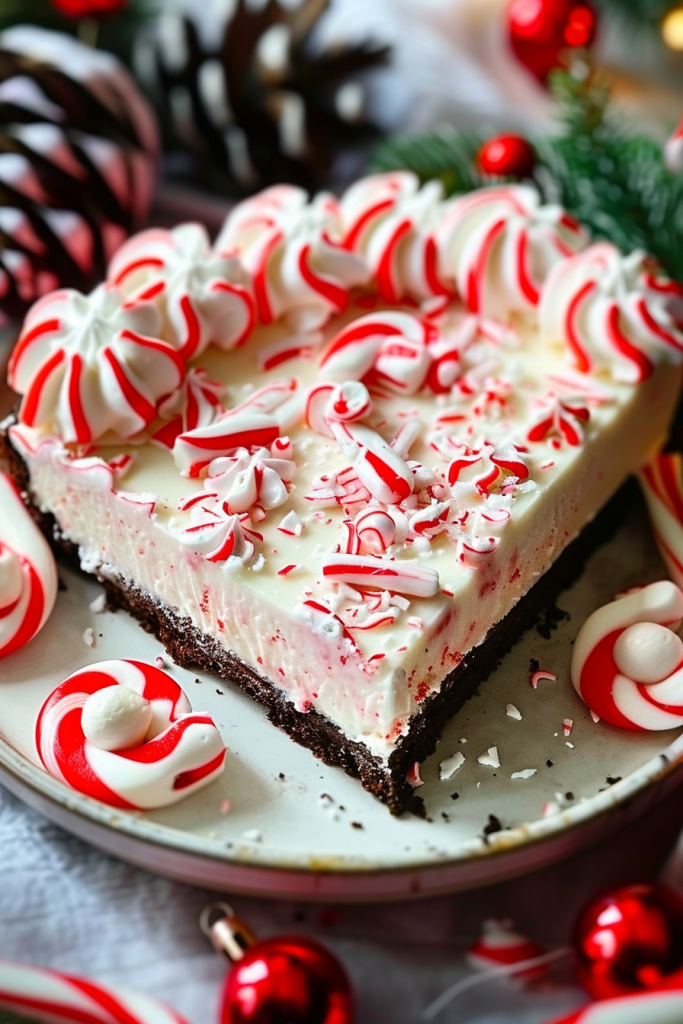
(647, 652)
(116, 718)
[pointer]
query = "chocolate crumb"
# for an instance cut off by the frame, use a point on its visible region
(549, 763)
(494, 825)
(548, 620)
(445, 816)
(534, 665)
(281, 776)
(611, 781)
(197, 680)
(61, 585)
(356, 824)
(455, 796)
(569, 796)
(219, 692)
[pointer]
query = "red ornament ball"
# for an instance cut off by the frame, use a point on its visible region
(507, 156)
(89, 8)
(541, 30)
(287, 980)
(630, 940)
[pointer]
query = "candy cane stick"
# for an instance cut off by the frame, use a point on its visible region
(64, 999)
(379, 573)
(642, 1008)
(662, 483)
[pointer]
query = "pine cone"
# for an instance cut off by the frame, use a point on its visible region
(78, 155)
(255, 101)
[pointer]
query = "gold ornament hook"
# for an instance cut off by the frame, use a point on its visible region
(228, 933)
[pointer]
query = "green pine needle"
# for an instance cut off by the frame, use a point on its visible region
(613, 180)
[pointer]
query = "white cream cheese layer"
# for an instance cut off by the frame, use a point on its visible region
(266, 608)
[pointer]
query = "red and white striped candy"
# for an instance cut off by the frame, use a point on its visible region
(184, 753)
(501, 944)
(613, 312)
(473, 551)
(28, 574)
(381, 574)
(391, 221)
(607, 639)
(203, 296)
(44, 995)
(246, 478)
(87, 364)
(559, 420)
(380, 469)
(288, 248)
(196, 403)
(375, 530)
(500, 243)
(354, 351)
(194, 450)
(215, 533)
(664, 1007)
(662, 482)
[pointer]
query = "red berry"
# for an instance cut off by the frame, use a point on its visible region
(507, 156)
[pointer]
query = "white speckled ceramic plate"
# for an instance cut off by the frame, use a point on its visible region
(298, 828)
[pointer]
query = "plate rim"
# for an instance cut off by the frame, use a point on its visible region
(252, 855)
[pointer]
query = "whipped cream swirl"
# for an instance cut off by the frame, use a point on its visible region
(392, 222)
(613, 312)
(202, 296)
(290, 249)
(89, 364)
(500, 243)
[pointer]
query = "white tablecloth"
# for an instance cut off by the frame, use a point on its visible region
(67, 906)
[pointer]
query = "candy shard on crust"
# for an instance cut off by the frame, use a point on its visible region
(613, 312)
(606, 641)
(500, 243)
(86, 365)
(183, 752)
(28, 574)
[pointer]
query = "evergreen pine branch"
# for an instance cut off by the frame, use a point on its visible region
(446, 153)
(611, 179)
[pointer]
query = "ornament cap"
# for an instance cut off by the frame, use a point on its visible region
(229, 935)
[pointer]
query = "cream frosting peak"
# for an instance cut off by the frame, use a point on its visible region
(613, 312)
(292, 252)
(203, 297)
(88, 364)
(500, 243)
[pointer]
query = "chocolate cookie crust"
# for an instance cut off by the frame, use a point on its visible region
(191, 648)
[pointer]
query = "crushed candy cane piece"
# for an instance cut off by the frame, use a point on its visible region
(512, 712)
(490, 758)
(541, 674)
(450, 766)
(525, 773)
